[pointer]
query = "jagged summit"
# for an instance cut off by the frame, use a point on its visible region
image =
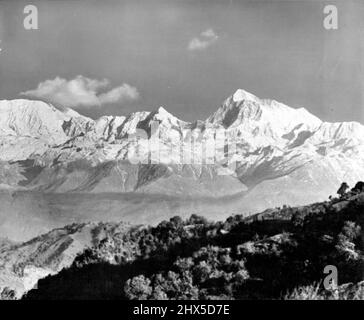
(162, 114)
(162, 117)
(241, 94)
(162, 110)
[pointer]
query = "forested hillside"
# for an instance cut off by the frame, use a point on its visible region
(280, 253)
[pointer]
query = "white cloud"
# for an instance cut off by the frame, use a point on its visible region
(118, 94)
(81, 92)
(203, 41)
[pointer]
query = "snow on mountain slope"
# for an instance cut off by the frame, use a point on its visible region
(36, 119)
(121, 176)
(107, 127)
(31, 118)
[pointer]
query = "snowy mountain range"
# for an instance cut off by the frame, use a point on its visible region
(281, 155)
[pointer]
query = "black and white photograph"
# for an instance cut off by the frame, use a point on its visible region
(181, 150)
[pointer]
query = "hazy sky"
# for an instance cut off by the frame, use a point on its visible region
(122, 56)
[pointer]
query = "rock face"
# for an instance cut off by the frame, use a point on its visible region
(269, 154)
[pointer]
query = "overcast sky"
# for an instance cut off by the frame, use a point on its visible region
(116, 57)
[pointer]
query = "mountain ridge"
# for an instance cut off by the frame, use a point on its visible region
(263, 130)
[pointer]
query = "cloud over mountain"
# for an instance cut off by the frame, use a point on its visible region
(203, 41)
(82, 92)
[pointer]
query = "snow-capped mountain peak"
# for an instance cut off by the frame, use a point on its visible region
(162, 115)
(248, 113)
(241, 95)
(162, 111)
